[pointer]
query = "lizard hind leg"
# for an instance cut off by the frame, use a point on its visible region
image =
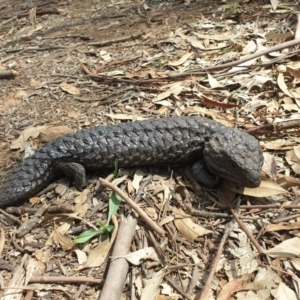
(203, 175)
(75, 171)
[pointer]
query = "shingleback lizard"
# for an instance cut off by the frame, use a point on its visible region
(228, 153)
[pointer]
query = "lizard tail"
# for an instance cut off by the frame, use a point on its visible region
(30, 177)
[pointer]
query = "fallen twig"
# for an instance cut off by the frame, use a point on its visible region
(32, 222)
(267, 128)
(7, 74)
(242, 225)
(55, 279)
(177, 287)
(113, 285)
(112, 95)
(118, 62)
(122, 39)
(39, 12)
(7, 21)
(209, 278)
(35, 49)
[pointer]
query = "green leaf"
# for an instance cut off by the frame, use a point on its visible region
(87, 235)
(113, 205)
(110, 229)
(107, 229)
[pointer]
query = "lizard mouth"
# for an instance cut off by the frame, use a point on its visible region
(244, 178)
(251, 183)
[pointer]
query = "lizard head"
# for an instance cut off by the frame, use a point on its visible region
(235, 156)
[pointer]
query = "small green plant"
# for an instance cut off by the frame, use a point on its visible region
(96, 8)
(113, 205)
(3, 174)
(81, 31)
(17, 159)
(226, 50)
(232, 6)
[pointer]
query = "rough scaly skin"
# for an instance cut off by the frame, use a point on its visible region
(229, 153)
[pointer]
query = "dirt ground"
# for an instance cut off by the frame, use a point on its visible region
(71, 65)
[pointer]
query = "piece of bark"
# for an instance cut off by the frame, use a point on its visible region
(7, 74)
(119, 266)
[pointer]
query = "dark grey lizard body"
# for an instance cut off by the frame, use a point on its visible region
(229, 153)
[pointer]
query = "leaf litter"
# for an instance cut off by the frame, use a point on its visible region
(182, 60)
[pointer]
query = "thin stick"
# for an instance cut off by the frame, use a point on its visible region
(242, 225)
(228, 229)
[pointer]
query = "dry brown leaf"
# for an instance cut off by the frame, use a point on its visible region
(157, 188)
(137, 178)
(278, 144)
(266, 189)
(136, 257)
(61, 187)
(174, 89)
(60, 239)
(234, 286)
(296, 263)
(202, 45)
(216, 37)
(163, 109)
(81, 207)
(274, 4)
(287, 181)
(34, 200)
(284, 292)
(2, 239)
(187, 227)
(43, 255)
(166, 220)
(249, 48)
(31, 132)
(129, 187)
(38, 27)
(289, 104)
(206, 43)
(294, 73)
(269, 166)
(50, 134)
(152, 287)
(69, 88)
(277, 227)
(197, 44)
(151, 212)
(293, 159)
(282, 85)
(260, 82)
(121, 179)
(99, 254)
(165, 103)
(214, 83)
(180, 61)
(81, 256)
(287, 249)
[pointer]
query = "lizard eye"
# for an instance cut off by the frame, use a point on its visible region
(233, 165)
